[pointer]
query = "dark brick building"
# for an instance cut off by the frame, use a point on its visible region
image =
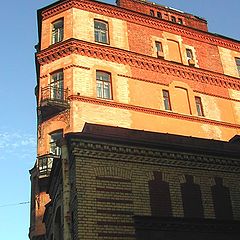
(138, 125)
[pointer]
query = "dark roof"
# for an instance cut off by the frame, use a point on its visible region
(154, 140)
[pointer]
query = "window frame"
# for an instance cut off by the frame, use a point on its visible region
(237, 61)
(166, 99)
(199, 106)
(60, 35)
(99, 33)
(53, 141)
(159, 49)
(102, 83)
(152, 13)
(57, 85)
(159, 15)
(173, 19)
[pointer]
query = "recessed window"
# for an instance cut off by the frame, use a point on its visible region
(54, 138)
(238, 65)
(57, 31)
(56, 86)
(166, 100)
(180, 21)
(190, 58)
(101, 31)
(173, 19)
(199, 106)
(159, 49)
(104, 88)
(159, 15)
(152, 13)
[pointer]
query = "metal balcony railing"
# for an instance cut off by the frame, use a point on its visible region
(44, 164)
(54, 92)
(54, 99)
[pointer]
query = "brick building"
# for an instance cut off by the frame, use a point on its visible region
(138, 125)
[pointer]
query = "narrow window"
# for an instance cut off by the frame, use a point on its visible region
(103, 85)
(101, 31)
(238, 65)
(199, 106)
(190, 58)
(152, 13)
(57, 31)
(180, 21)
(159, 15)
(54, 137)
(56, 86)
(173, 19)
(159, 49)
(166, 100)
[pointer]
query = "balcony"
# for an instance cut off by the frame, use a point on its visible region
(53, 101)
(44, 164)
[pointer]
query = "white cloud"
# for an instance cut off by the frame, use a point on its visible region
(17, 143)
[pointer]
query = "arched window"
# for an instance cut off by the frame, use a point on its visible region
(104, 88)
(192, 198)
(57, 31)
(101, 31)
(221, 200)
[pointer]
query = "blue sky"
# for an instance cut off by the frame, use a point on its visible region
(17, 100)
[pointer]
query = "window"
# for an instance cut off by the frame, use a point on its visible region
(54, 137)
(159, 15)
(166, 100)
(152, 13)
(159, 49)
(103, 85)
(199, 106)
(173, 19)
(190, 56)
(238, 65)
(101, 31)
(57, 31)
(180, 21)
(56, 86)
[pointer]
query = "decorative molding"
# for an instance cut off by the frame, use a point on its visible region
(152, 111)
(138, 18)
(217, 96)
(76, 66)
(113, 171)
(132, 59)
(120, 153)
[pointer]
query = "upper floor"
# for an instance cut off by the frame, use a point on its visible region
(139, 33)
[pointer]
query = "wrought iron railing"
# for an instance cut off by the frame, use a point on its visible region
(44, 164)
(54, 92)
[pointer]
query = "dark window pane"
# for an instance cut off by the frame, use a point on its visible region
(173, 19)
(166, 100)
(159, 15)
(238, 64)
(199, 106)
(152, 13)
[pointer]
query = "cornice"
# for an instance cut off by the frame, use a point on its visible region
(141, 19)
(152, 111)
(118, 152)
(74, 46)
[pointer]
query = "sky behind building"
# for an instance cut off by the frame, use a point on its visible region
(18, 104)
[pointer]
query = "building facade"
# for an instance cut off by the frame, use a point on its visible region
(143, 70)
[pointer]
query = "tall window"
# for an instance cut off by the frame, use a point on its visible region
(56, 85)
(159, 15)
(103, 85)
(152, 13)
(54, 137)
(238, 65)
(159, 49)
(57, 31)
(199, 106)
(190, 58)
(166, 100)
(101, 31)
(173, 19)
